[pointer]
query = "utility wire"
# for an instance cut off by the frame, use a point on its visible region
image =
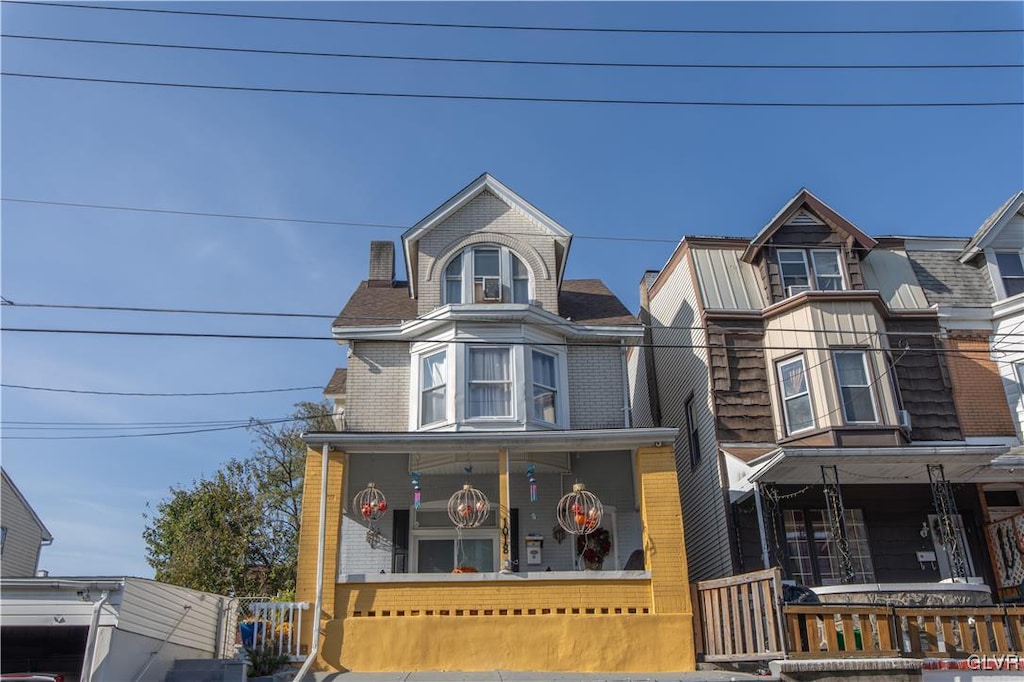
(160, 395)
(519, 27)
(144, 435)
(382, 319)
(512, 62)
(342, 223)
(521, 99)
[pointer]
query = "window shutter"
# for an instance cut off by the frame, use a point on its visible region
(400, 541)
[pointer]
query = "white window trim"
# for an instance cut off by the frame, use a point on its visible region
(812, 274)
(867, 376)
(996, 272)
(512, 381)
(422, 391)
(807, 269)
(558, 390)
(843, 284)
(504, 271)
(779, 364)
(440, 533)
(521, 369)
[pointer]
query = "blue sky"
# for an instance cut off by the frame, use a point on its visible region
(600, 170)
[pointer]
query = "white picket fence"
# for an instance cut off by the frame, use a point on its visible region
(274, 625)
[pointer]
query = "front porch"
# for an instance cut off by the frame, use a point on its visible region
(517, 599)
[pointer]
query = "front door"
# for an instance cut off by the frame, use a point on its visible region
(942, 555)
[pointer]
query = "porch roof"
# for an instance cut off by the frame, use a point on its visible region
(584, 440)
(873, 466)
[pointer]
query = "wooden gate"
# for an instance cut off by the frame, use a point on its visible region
(741, 617)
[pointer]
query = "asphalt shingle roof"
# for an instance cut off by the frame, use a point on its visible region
(946, 280)
(336, 385)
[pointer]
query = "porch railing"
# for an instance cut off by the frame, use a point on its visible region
(740, 617)
(274, 626)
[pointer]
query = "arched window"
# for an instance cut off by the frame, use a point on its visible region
(486, 274)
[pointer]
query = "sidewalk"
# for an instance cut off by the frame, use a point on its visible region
(505, 676)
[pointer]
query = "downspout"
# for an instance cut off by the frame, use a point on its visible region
(90, 642)
(321, 543)
(627, 409)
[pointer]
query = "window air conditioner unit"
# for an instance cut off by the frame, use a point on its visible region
(904, 419)
(795, 289)
(492, 288)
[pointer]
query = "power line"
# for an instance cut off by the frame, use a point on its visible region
(513, 62)
(160, 395)
(521, 99)
(144, 435)
(185, 311)
(241, 216)
(519, 27)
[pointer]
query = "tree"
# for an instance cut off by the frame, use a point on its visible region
(237, 531)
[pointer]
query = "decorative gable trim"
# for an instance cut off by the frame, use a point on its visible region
(992, 226)
(485, 182)
(805, 208)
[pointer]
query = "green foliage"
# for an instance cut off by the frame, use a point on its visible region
(236, 532)
(265, 661)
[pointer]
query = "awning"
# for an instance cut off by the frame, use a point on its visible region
(875, 466)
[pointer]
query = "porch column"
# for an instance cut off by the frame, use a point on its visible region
(663, 540)
(309, 532)
(504, 513)
(837, 521)
(945, 508)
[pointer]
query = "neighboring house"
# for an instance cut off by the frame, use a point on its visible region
(488, 365)
(22, 533)
(808, 374)
(110, 629)
(335, 392)
(977, 286)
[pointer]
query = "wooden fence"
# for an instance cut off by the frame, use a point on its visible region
(740, 617)
(743, 618)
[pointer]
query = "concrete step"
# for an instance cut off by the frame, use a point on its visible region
(207, 670)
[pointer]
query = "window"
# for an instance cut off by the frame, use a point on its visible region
(814, 555)
(3, 539)
(1011, 271)
(805, 270)
(854, 386)
(432, 394)
(490, 383)
(493, 274)
(692, 434)
(439, 547)
(796, 397)
(545, 391)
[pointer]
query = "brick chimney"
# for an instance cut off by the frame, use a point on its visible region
(382, 264)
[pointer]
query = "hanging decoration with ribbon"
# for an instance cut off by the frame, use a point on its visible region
(371, 504)
(532, 478)
(416, 489)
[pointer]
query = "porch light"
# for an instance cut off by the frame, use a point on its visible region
(468, 508)
(371, 505)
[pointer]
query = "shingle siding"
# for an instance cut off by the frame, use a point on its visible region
(378, 387)
(20, 555)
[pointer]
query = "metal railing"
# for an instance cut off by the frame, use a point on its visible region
(272, 625)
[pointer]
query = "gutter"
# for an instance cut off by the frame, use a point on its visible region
(321, 543)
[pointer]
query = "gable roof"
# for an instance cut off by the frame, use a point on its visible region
(583, 301)
(992, 225)
(805, 200)
(486, 182)
(46, 535)
(336, 386)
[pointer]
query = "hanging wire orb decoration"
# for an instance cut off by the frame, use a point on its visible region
(371, 504)
(579, 512)
(468, 508)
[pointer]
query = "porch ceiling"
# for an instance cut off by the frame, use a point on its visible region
(873, 466)
(590, 440)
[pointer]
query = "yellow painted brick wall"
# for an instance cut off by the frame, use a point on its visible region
(664, 546)
(977, 387)
(305, 582)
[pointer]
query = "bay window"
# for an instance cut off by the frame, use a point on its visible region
(490, 383)
(796, 396)
(486, 274)
(855, 386)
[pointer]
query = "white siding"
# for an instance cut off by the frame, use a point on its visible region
(1011, 237)
(683, 372)
(157, 610)
(596, 392)
(20, 555)
(639, 398)
(1008, 352)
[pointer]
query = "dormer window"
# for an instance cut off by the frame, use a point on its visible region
(486, 274)
(1011, 271)
(810, 269)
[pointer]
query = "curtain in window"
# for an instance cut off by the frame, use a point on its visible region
(434, 378)
(544, 392)
(490, 387)
(520, 281)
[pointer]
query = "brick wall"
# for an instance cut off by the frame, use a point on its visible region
(977, 387)
(595, 387)
(487, 219)
(378, 387)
